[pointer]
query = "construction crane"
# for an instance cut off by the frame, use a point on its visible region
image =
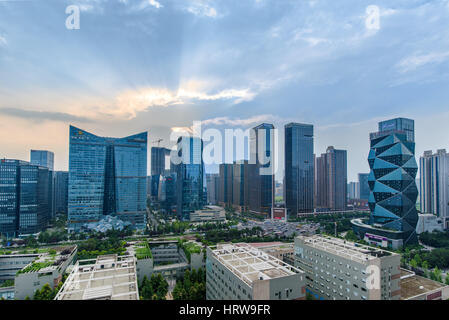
(158, 142)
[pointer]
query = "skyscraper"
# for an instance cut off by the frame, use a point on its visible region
(299, 168)
(158, 155)
(261, 170)
(189, 176)
(212, 182)
(61, 191)
(364, 186)
(225, 186)
(240, 185)
(24, 198)
(353, 190)
(107, 176)
(434, 184)
(46, 159)
(392, 184)
(332, 180)
(42, 158)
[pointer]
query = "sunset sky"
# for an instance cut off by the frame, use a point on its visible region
(137, 65)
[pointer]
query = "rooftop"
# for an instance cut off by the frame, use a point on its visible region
(251, 264)
(347, 249)
(413, 285)
(109, 277)
(49, 260)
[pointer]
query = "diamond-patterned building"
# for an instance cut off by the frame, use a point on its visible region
(393, 190)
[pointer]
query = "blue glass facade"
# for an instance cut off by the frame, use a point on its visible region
(61, 191)
(299, 168)
(393, 190)
(24, 197)
(189, 176)
(107, 176)
(364, 186)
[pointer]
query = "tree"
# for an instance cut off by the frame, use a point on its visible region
(46, 293)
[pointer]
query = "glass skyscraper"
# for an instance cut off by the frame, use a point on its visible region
(364, 186)
(46, 159)
(299, 168)
(189, 176)
(393, 190)
(24, 198)
(107, 176)
(61, 191)
(42, 158)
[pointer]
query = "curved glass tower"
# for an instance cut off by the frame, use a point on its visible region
(393, 191)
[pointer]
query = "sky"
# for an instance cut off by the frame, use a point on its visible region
(158, 65)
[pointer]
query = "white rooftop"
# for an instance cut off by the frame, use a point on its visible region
(108, 277)
(251, 264)
(344, 248)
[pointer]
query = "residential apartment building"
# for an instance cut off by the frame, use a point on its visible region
(434, 184)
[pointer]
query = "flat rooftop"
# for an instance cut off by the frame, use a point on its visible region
(413, 285)
(109, 277)
(49, 260)
(346, 249)
(251, 264)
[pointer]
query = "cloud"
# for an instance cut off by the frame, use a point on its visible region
(42, 115)
(130, 102)
(3, 42)
(239, 122)
(201, 8)
(416, 61)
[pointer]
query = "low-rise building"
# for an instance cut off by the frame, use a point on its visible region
(337, 269)
(208, 214)
(414, 287)
(13, 262)
(108, 277)
(48, 267)
(169, 258)
(242, 272)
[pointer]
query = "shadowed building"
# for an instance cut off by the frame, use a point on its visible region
(299, 168)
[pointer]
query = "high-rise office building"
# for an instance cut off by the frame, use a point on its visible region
(42, 158)
(240, 185)
(189, 176)
(331, 180)
(212, 182)
(261, 170)
(61, 191)
(299, 168)
(46, 159)
(158, 155)
(364, 186)
(225, 186)
(24, 198)
(434, 184)
(392, 184)
(107, 176)
(167, 191)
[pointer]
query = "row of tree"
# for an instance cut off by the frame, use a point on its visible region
(154, 289)
(192, 286)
